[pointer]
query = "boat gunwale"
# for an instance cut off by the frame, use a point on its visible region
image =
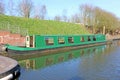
(49, 47)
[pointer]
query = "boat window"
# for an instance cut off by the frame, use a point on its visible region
(94, 39)
(49, 61)
(61, 59)
(82, 52)
(94, 49)
(27, 38)
(61, 40)
(70, 56)
(82, 39)
(49, 41)
(70, 40)
(89, 38)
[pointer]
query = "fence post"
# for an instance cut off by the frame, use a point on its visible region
(8, 26)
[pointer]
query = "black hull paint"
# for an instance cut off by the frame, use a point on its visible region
(15, 71)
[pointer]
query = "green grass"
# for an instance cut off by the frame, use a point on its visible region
(43, 27)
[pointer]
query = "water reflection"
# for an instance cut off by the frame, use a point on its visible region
(94, 63)
(41, 62)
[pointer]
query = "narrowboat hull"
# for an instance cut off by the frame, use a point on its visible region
(43, 51)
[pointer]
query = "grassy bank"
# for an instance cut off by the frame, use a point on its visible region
(45, 27)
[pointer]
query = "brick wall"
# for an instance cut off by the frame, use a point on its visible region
(12, 39)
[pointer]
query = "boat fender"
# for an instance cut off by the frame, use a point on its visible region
(8, 77)
(16, 74)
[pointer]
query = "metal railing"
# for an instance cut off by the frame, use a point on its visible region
(6, 26)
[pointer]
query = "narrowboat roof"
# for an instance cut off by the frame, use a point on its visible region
(67, 35)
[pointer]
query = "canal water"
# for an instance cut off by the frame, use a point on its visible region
(94, 63)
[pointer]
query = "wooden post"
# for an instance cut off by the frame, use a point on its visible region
(103, 29)
(93, 30)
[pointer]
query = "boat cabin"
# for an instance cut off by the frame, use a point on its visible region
(53, 41)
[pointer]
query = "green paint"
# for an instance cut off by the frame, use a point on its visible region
(40, 41)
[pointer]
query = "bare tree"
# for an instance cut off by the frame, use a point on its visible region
(86, 14)
(2, 9)
(37, 12)
(43, 12)
(75, 18)
(25, 8)
(57, 18)
(40, 12)
(96, 19)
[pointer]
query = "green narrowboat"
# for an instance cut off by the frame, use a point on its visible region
(47, 42)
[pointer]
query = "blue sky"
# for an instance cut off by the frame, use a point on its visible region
(56, 7)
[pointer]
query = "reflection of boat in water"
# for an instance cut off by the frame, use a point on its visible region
(41, 43)
(43, 61)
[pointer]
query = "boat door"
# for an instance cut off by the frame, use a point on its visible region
(27, 41)
(30, 41)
